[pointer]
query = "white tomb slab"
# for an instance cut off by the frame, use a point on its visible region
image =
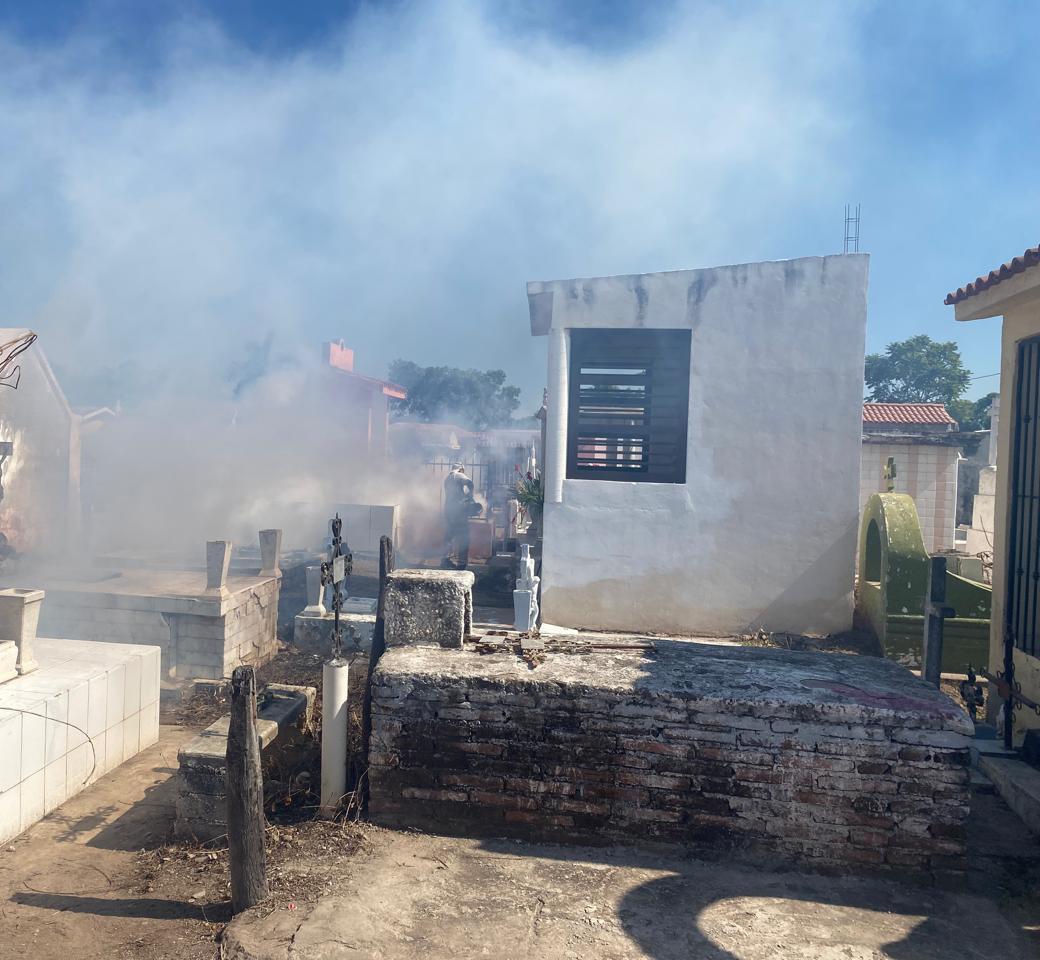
(89, 707)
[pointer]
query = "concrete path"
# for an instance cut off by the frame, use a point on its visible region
(415, 896)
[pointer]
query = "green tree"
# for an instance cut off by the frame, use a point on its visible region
(972, 414)
(476, 399)
(917, 370)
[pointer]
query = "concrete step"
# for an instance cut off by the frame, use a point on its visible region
(1017, 783)
(981, 747)
(980, 783)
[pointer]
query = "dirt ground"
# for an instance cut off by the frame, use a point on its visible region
(68, 884)
(98, 879)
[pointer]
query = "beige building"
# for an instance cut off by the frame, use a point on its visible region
(921, 442)
(1012, 291)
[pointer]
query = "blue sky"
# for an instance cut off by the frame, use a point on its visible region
(183, 179)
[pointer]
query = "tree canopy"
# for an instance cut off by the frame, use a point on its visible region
(917, 370)
(475, 399)
(972, 414)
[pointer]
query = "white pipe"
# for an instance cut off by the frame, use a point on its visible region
(333, 733)
(556, 415)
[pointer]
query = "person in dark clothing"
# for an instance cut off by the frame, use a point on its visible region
(459, 506)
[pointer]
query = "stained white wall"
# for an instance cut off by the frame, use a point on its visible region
(763, 532)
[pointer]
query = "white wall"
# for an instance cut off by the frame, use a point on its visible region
(763, 532)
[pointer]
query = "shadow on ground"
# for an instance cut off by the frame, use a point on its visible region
(140, 908)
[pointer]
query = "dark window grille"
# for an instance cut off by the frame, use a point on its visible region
(628, 406)
(1023, 566)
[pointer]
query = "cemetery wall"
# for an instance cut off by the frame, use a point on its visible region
(820, 759)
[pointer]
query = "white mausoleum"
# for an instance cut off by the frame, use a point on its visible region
(702, 458)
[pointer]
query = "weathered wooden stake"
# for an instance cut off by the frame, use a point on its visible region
(245, 796)
(386, 567)
(935, 611)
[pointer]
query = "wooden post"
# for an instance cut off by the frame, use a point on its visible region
(386, 567)
(245, 796)
(935, 611)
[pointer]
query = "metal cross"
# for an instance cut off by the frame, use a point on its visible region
(888, 472)
(335, 571)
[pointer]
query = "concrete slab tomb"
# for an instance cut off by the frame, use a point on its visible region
(893, 580)
(313, 633)
(86, 709)
(285, 713)
(206, 622)
(825, 759)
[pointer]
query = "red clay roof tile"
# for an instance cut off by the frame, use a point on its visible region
(908, 413)
(1015, 265)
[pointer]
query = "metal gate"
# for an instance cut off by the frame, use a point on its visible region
(1023, 558)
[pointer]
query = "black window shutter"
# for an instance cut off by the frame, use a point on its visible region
(628, 405)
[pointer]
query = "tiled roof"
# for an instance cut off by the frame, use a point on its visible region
(1016, 265)
(908, 413)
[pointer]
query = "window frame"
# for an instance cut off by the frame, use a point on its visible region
(659, 358)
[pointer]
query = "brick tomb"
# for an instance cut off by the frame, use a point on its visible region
(819, 758)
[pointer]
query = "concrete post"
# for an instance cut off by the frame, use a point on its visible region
(935, 610)
(315, 607)
(270, 553)
(218, 559)
(19, 618)
(334, 681)
(994, 425)
(554, 470)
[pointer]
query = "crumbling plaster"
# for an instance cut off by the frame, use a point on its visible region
(763, 531)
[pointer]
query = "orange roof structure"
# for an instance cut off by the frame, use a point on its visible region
(1029, 258)
(907, 414)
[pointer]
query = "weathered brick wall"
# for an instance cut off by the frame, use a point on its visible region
(211, 647)
(818, 758)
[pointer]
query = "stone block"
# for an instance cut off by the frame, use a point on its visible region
(428, 607)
